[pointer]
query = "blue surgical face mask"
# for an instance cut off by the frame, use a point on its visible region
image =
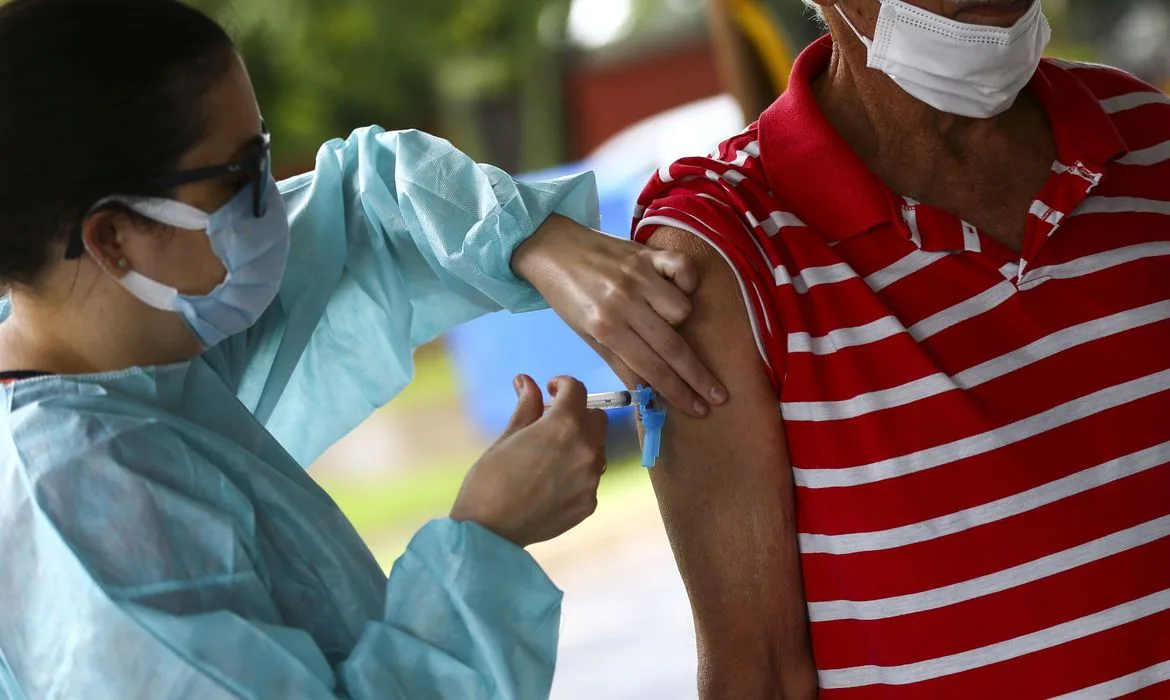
(254, 251)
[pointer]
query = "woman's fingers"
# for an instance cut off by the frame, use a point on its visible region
(627, 376)
(665, 293)
(636, 363)
(680, 360)
(668, 301)
(626, 298)
(676, 267)
(529, 406)
(636, 352)
(596, 426)
(568, 395)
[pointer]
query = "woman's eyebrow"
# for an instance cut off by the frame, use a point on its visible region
(246, 146)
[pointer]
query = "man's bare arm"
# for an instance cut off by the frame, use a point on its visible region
(724, 486)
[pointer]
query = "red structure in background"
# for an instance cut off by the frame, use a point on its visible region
(615, 88)
(602, 98)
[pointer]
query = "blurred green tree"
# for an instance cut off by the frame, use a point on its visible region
(323, 67)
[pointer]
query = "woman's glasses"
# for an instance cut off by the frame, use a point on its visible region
(255, 164)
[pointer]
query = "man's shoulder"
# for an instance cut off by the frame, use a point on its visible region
(745, 141)
(726, 190)
(736, 160)
(1118, 90)
(1101, 78)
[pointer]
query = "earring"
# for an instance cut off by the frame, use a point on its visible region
(123, 263)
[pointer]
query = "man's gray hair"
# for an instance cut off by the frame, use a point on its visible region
(820, 11)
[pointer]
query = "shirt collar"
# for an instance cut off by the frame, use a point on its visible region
(808, 161)
(836, 194)
(1081, 128)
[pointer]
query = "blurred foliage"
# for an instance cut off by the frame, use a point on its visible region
(323, 67)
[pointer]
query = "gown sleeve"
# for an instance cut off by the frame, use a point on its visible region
(397, 237)
(468, 615)
(122, 580)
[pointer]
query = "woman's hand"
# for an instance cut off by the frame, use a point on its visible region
(539, 480)
(624, 299)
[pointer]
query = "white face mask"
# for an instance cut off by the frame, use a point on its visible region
(966, 69)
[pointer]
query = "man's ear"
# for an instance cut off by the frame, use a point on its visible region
(103, 239)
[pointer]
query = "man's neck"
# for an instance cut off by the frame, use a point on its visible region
(985, 171)
(907, 142)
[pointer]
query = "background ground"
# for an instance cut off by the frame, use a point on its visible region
(627, 631)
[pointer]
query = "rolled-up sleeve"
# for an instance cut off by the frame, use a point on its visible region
(397, 238)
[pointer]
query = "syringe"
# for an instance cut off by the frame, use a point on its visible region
(650, 414)
(607, 400)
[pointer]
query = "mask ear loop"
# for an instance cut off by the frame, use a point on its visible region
(164, 211)
(864, 39)
(148, 291)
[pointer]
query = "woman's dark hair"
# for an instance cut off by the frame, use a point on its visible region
(97, 97)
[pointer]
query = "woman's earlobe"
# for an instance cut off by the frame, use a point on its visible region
(100, 239)
(116, 267)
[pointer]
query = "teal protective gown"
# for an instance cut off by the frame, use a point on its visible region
(159, 537)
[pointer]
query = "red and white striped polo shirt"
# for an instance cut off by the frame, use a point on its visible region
(980, 439)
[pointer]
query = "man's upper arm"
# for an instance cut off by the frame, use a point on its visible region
(724, 486)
